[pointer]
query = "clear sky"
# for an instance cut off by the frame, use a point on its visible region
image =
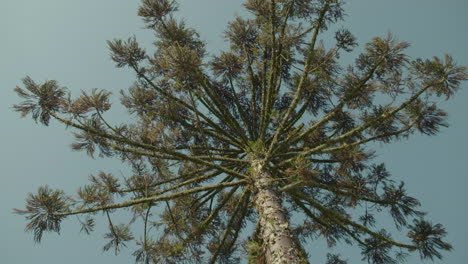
(64, 40)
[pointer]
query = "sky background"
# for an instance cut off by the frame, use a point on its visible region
(64, 40)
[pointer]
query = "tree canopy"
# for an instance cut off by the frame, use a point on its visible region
(273, 128)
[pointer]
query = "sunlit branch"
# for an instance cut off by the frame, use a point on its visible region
(203, 135)
(209, 148)
(203, 130)
(240, 109)
(303, 108)
(200, 158)
(205, 84)
(338, 108)
(263, 91)
(357, 143)
(220, 116)
(229, 140)
(187, 182)
(223, 113)
(268, 90)
(180, 177)
(223, 158)
(141, 152)
(289, 124)
(300, 86)
(175, 99)
(215, 133)
(153, 198)
(368, 124)
(251, 77)
(299, 151)
(173, 154)
(228, 118)
(351, 195)
(288, 13)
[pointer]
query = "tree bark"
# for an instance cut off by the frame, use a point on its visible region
(278, 242)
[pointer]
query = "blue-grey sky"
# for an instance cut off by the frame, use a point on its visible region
(64, 40)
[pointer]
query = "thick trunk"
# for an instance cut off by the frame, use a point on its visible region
(278, 242)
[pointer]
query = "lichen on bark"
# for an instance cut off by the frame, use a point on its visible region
(275, 232)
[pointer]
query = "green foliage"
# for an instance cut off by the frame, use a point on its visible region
(256, 147)
(428, 237)
(335, 259)
(41, 209)
(39, 99)
(255, 251)
(117, 236)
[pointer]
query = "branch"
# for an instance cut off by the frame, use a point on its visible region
(200, 228)
(224, 111)
(267, 91)
(343, 102)
(183, 176)
(240, 205)
(300, 86)
(175, 99)
(152, 199)
(173, 154)
(368, 124)
(240, 109)
(339, 218)
(345, 146)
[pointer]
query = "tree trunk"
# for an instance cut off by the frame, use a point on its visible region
(278, 242)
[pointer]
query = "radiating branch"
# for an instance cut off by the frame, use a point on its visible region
(153, 198)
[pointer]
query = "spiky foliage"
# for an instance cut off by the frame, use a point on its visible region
(277, 95)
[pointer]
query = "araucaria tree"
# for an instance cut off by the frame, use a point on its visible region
(271, 130)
